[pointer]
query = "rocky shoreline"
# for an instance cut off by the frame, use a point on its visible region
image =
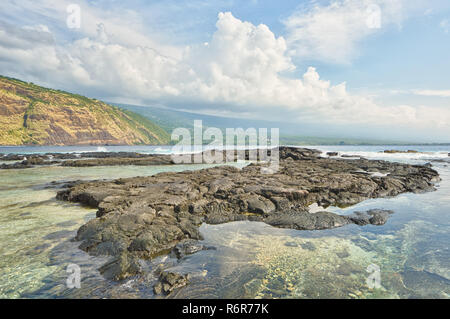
(144, 217)
(85, 159)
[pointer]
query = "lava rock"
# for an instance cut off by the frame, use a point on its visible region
(170, 281)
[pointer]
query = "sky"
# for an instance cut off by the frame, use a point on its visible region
(375, 69)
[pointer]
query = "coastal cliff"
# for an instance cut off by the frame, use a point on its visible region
(33, 115)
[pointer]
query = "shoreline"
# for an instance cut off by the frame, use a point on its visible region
(143, 217)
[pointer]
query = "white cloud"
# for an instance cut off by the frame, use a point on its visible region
(332, 33)
(438, 93)
(241, 70)
(124, 26)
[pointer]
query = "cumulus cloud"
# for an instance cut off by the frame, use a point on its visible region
(331, 33)
(243, 69)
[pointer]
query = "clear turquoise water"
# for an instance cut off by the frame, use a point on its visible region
(252, 260)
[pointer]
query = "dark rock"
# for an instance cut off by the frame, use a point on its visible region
(33, 160)
(307, 221)
(379, 217)
(122, 267)
(119, 160)
(373, 216)
(332, 153)
(169, 281)
(144, 217)
(12, 157)
(360, 218)
(189, 247)
(18, 165)
(260, 205)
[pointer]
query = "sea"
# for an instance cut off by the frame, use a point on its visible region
(408, 257)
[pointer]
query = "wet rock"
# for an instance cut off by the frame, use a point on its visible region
(359, 218)
(85, 159)
(115, 161)
(332, 154)
(189, 247)
(122, 267)
(307, 221)
(34, 160)
(260, 205)
(373, 216)
(144, 217)
(12, 157)
(169, 282)
(18, 165)
(379, 217)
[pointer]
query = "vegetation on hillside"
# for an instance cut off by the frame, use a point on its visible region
(31, 114)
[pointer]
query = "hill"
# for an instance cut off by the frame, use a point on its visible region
(31, 114)
(290, 133)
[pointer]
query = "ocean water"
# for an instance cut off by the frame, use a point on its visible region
(409, 257)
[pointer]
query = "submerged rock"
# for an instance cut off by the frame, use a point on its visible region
(144, 217)
(424, 284)
(308, 246)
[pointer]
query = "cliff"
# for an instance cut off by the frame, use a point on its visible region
(31, 114)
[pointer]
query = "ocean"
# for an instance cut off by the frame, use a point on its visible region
(408, 257)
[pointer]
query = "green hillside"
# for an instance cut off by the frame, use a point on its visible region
(31, 114)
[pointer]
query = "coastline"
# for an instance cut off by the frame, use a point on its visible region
(144, 217)
(40, 232)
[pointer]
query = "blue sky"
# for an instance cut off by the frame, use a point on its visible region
(369, 68)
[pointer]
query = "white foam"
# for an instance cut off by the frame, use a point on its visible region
(391, 156)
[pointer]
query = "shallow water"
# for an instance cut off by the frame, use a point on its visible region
(34, 225)
(251, 260)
